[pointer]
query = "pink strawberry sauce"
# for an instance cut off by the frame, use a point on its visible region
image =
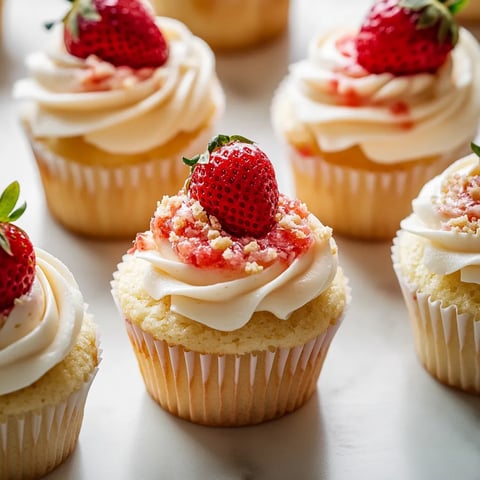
(199, 240)
(346, 46)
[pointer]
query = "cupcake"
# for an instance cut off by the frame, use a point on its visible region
(373, 113)
(107, 118)
(48, 353)
(232, 25)
(436, 257)
(233, 296)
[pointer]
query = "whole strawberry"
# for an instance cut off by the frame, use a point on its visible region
(235, 181)
(406, 37)
(122, 32)
(17, 257)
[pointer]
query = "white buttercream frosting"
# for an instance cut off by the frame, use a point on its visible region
(391, 118)
(225, 301)
(118, 109)
(452, 243)
(42, 327)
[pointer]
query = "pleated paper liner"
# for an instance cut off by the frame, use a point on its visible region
(110, 202)
(229, 390)
(447, 342)
(360, 203)
(35, 443)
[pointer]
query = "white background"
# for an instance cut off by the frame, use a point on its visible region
(376, 415)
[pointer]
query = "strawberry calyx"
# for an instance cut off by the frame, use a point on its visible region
(216, 142)
(80, 9)
(8, 212)
(433, 12)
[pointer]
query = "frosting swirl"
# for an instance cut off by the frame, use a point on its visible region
(42, 327)
(329, 95)
(446, 215)
(118, 109)
(207, 294)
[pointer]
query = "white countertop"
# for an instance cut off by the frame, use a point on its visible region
(376, 414)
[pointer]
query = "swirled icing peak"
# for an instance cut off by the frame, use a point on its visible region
(120, 109)
(208, 272)
(447, 214)
(332, 101)
(42, 327)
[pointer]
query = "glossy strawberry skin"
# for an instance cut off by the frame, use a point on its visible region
(237, 186)
(390, 41)
(124, 35)
(17, 271)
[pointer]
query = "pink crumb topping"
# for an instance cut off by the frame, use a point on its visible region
(199, 240)
(459, 203)
(103, 76)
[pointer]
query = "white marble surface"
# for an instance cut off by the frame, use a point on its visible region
(376, 414)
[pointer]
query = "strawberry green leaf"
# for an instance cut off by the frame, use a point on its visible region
(475, 149)
(216, 142)
(191, 162)
(8, 200)
(429, 17)
(456, 5)
(16, 214)
(80, 8)
(414, 4)
(432, 12)
(4, 243)
(221, 140)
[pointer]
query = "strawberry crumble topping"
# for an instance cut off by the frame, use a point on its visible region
(198, 238)
(459, 203)
(103, 76)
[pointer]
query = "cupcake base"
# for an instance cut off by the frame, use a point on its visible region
(447, 342)
(256, 21)
(110, 201)
(367, 201)
(229, 390)
(33, 444)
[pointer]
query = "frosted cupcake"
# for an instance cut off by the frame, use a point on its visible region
(48, 353)
(373, 113)
(231, 25)
(233, 296)
(108, 118)
(436, 257)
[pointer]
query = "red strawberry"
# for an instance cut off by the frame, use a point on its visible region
(122, 32)
(405, 37)
(17, 257)
(235, 181)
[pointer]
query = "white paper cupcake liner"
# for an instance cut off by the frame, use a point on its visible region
(447, 342)
(360, 203)
(229, 390)
(111, 202)
(36, 442)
